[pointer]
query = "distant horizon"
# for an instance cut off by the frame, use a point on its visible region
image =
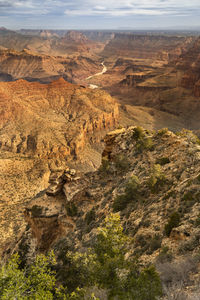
(194, 28)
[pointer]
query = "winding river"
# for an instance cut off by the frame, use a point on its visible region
(94, 86)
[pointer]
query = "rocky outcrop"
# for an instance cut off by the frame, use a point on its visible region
(57, 180)
(133, 80)
(165, 168)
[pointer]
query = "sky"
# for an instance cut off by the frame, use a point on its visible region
(100, 14)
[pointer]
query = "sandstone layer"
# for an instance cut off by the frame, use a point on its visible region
(45, 68)
(147, 46)
(189, 64)
(46, 43)
(57, 120)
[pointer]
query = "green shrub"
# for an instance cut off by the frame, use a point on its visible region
(188, 200)
(105, 166)
(162, 161)
(174, 221)
(71, 209)
(138, 133)
(189, 134)
(35, 282)
(142, 141)
(131, 193)
(145, 144)
(106, 267)
(157, 179)
(165, 255)
(36, 211)
(197, 221)
(188, 196)
(162, 131)
(90, 216)
(155, 243)
(121, 162)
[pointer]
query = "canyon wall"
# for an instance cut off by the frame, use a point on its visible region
(189, 64)
(54, 120)
(147, 46)
(45, 68)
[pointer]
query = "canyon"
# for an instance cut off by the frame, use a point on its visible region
(73, 105)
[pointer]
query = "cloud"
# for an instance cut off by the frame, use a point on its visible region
(48, 11)
(102, 7)
(131, 7)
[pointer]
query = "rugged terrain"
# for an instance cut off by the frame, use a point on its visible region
(45, 68)
(151, 178)
(49, 127)
(147, 46)
(158, 72)
(43, 126)
(53, 120)
(50, 44)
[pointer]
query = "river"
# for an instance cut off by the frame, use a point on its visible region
(94, 86)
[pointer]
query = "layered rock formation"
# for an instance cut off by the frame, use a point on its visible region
(189, 64)
(54, 120)
(43, 127)
(133, 80)
(73, 41)
(147, 46)
(44, 68)
(47, 43)
(13, 40)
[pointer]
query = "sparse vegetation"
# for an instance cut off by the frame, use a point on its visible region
(162, 131)
(90, 216)
(165, 255)
(105, 166)
(105, 266)
(163, 161)
(121, 162)
(131, 194)
(138, 133)
(155, 243)
(157, 179)
(36, 211)
(174, 221)
(71, 209)
(142, 141)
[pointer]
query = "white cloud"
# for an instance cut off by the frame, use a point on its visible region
(131, 7)
(112, 8)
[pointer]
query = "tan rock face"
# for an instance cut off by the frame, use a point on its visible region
(72, 42)
(189, 62)
(147, 46)
(55, 120)
(45, 68)
(21, 178)
(43, 127)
